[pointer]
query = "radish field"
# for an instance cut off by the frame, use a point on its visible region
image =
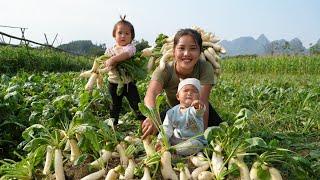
(271, 103)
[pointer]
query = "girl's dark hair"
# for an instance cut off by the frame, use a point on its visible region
(193, 33)
(124, 22)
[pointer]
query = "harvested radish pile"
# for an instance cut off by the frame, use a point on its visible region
(162, 52)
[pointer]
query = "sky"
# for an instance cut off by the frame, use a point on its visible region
(94, 19)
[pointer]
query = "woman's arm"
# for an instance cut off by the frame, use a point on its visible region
(153, 90)
(204, 97)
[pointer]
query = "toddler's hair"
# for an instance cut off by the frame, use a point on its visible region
(193, 33)
(125, 22)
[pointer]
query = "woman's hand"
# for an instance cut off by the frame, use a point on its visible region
(148, 128)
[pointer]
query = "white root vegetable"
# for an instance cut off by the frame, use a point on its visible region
(114, 173)
(166, 168)
(147, 52)
(275, 174)
(150, 150)
(163, 59)
(129, 172)
(67, 146)
(95, 175)
(47, 164)
(185, 174)
(254, 171)
(85, 74)
(75, 151)
(202, 56)
(211, 59)
(150, 63)
(243, 168)
(195, 173)
(95, 66)
(123, 158)
(91, 81)
(206, 175)
(146, 174)
(99, 81)
(198, 161)
(115, 155)
(104, 158)
(132, 140)
(217, 163)
(58, 165)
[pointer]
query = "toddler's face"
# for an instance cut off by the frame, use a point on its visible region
(187, 95)
(123, 35)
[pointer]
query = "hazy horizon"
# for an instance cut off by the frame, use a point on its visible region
(94, 20)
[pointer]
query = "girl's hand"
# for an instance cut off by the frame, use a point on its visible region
(110, 64)
(197, 104)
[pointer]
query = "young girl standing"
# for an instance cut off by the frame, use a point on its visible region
(123, 50)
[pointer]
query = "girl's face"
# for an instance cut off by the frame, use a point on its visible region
(186, 52)
(187, 95)
(123, 35)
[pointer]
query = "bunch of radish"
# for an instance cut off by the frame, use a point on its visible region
(162, 52)
(95, 75)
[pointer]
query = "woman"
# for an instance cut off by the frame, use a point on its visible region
(186, 49)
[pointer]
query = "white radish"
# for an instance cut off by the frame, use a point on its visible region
(75, 151)
(217, 163)
(195, 173)
(91, 81)
(163, 60)
(254, 171)
(146, 174)
(132, 140)
(211, 59)
(85, 74)
(202, 57)
(58, 165)
(150, 150)
(123, 158)
(185, 174)
(275, 174)
(46, 168)
(104, 158)
(166, 168)
(99, 81)
(217, 47)
(114, 173)
(95, 175)
(150, 63)
(206, 175)
(147, 52)
(129, 172)
(198, 161)
(243, 168)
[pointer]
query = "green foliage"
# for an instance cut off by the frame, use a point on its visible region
(14, 59)
(84, 47)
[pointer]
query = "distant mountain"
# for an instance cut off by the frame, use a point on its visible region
(83, 47)
(315, 49)
(262, 46)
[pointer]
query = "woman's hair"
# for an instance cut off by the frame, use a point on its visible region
(193, 33)
(124, 22)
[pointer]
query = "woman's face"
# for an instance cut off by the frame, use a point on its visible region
(186, 52)
(123, 35)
